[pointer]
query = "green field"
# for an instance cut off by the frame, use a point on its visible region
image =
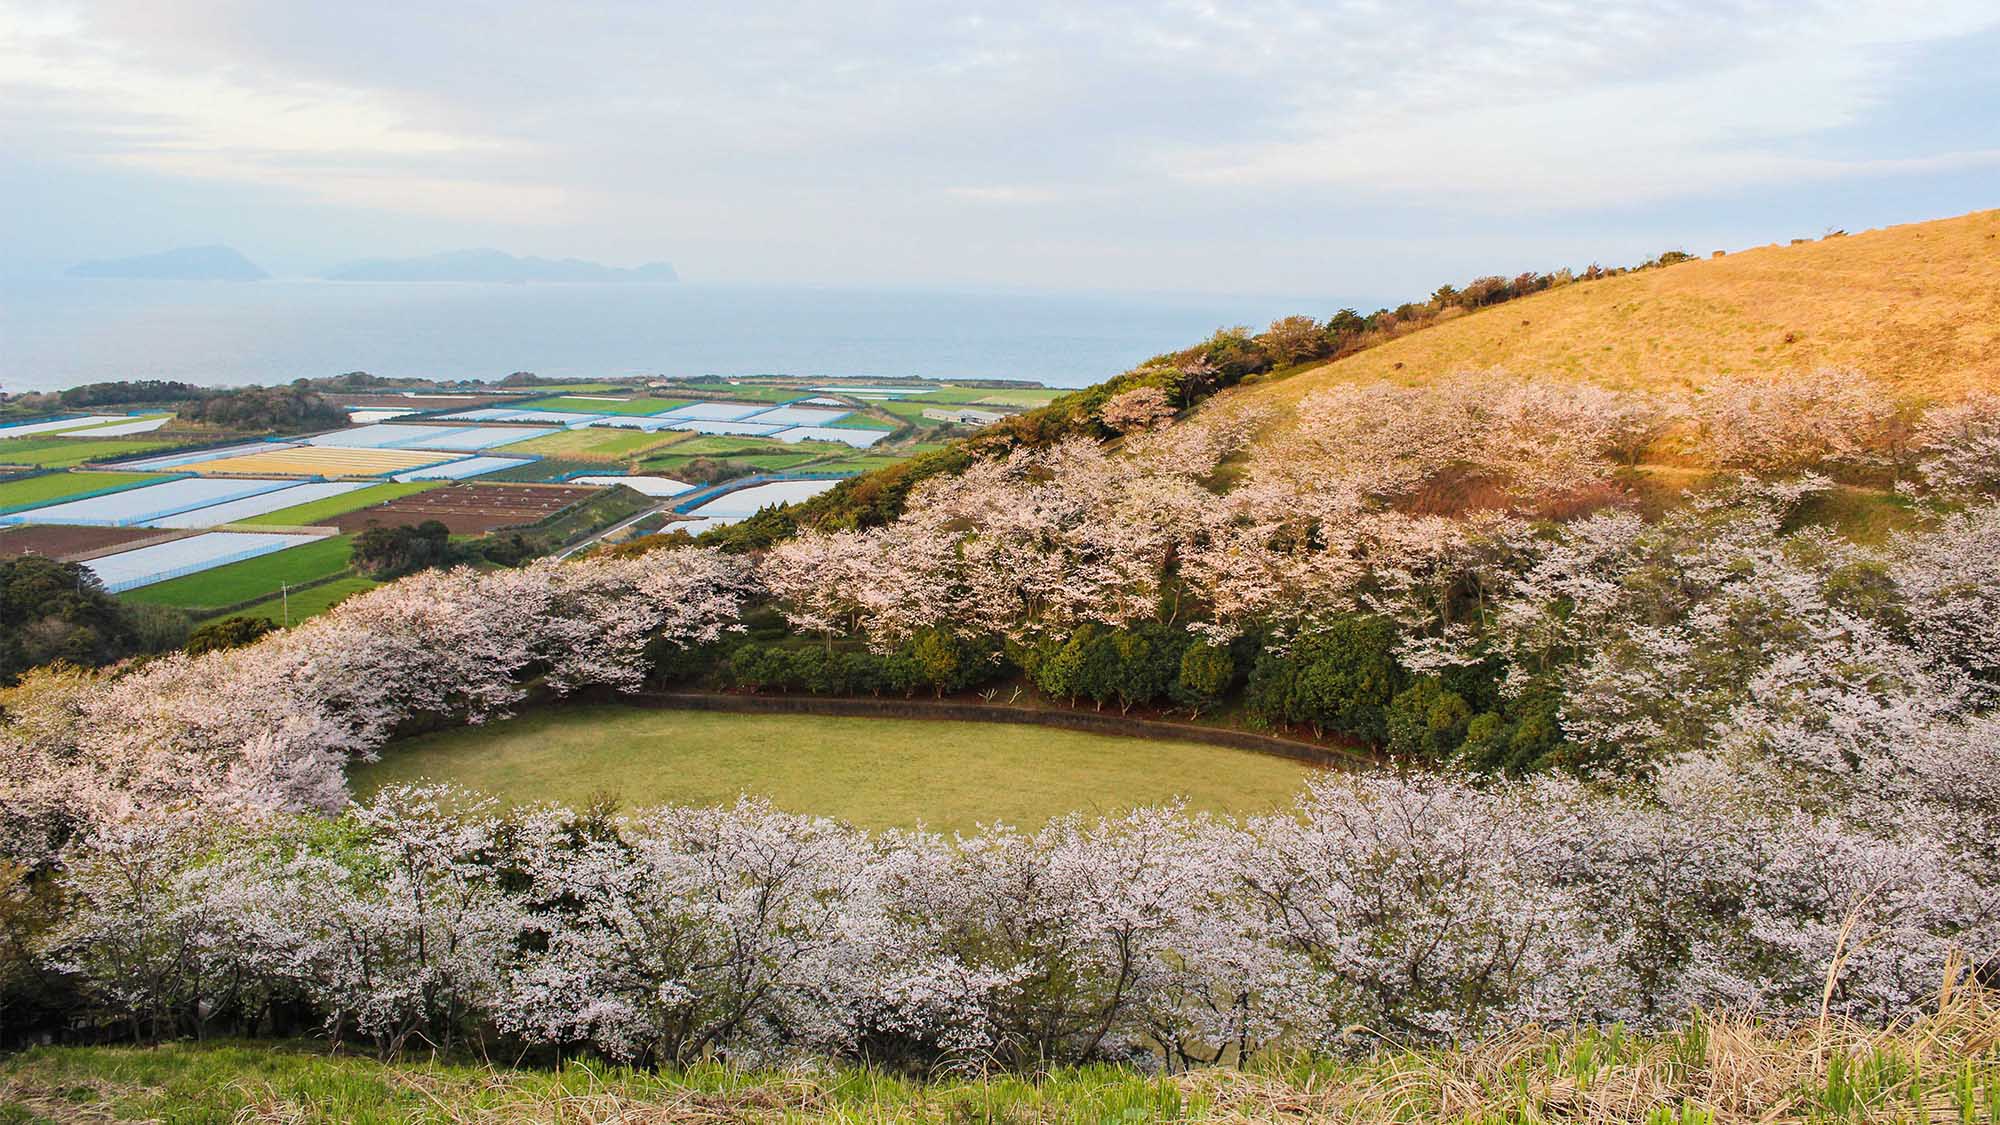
(251, 578)
(644, 404)
(875, 773)
(865, 464)
(62, 452)
(305, 515)
(546, 469)
(309, 602)
(991, 396)
(861, 422)
(603, 441)
(770, 462)
(55, 486)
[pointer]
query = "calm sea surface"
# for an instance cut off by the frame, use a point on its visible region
(59, 333)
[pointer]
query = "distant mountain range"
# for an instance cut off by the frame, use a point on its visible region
(495, 265)
(189, 263)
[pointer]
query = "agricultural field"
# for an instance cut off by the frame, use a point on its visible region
(1023, 398)
(50, 487)
(468, 509)
(250, 579)
(672, 463)
(72, 543)
(867, 463)
(327, 461)
(311, 513)
(546, 470)
(58, 452)
(641, 405)
(300, 605)
(876, 773)
(605, 442)
(861, 422)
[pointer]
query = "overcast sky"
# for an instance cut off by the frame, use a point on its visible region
(1334, 148)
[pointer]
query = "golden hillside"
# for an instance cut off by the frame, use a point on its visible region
(1916, 306)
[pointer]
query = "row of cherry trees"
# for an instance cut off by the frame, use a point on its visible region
(1419, 908)
(272, 726)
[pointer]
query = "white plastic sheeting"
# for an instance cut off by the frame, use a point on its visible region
(646, 486)
(470, 438)
(138, 507)
(797, 416)
(177, 460)
(731, 507)
(22, 428)
(142, 567)
(142, 426)
(859, 439)
(229, 512)
(739, 428)
(462, 468)
(714, 411)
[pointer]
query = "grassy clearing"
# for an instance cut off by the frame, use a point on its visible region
(767, 462)
(310, 602)
(861, 464)
(64, 453)
(1910, 305)
(305, 515)
(862, 422)
(873, 772)
(251, 578)
(1942, 1068)
(55, 486)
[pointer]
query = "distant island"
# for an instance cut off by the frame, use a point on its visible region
(495, 265)
(189, 263)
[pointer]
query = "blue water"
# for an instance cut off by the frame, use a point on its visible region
(59, 333)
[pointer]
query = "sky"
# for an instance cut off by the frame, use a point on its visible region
(1350, 146)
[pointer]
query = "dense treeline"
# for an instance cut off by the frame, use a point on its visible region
(299, 406)
(57, 611)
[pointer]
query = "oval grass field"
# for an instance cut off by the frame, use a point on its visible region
(875, 773)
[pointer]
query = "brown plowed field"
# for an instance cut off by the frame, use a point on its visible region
(469, 509)
(72, 543)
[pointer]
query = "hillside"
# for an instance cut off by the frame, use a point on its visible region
(191, 263)
(1916, 306)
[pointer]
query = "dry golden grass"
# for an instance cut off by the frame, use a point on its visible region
(1916, 306)
(327, 461)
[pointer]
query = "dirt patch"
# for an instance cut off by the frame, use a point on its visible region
(470, 509)
(74, 544)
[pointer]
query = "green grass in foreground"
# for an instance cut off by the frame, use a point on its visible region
(876, 773)
(309, 603)
(56, 452)
(50, 487)
(307, 514)
(1723, 1071)
(251, 578)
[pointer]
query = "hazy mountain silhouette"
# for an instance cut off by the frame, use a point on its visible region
(189, 263)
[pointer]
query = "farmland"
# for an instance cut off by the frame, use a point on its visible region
(640, 405)
(309, 514)
(310, 602)
(874, 772)
(598, 441)
(60, 542)
(250, 579)
(59, 452)
(468, 509)
(55, 486)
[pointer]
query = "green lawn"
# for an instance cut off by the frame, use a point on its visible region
(55, 486)
(866, 464)
(62, 452)
(644, 404)
(251, 578)
(603, 441)
(310, 602)
(991, 396)
(307, 514)
(874, 772)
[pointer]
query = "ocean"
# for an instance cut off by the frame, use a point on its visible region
(63, 332)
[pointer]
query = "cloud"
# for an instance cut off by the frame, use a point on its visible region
(1123, 141)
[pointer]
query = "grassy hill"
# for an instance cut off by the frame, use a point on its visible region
(1917, 306)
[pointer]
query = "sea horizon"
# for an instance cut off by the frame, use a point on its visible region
(60, 332)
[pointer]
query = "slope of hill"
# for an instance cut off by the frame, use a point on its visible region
(1916, 306)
